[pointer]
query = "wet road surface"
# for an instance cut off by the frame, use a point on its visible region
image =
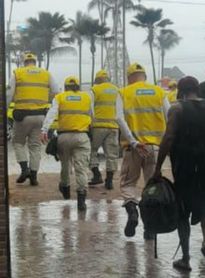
(53, 240)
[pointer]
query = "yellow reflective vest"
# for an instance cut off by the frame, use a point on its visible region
(143, 109)
(105, 97)
(172, 96)
(32, 88)
(74, 111)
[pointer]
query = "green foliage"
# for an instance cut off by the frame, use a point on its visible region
(167, 39)
(43, 33)
(151, 20)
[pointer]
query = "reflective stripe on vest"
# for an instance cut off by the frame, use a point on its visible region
(148, 133)
(75, 112)
(26, 84)
(105, 103)
(37, 101)
(143, 110)
(111, 121)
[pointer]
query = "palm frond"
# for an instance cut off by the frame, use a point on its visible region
(63, 50)
(163, 23)
(93, 4)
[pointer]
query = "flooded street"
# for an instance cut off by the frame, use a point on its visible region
(54, 240)
(50, 239)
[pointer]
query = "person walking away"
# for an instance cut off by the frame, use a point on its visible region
(105, 130)
(184, 140)
(31, 88)
(145, 108)
(172, 95)
(74, 110)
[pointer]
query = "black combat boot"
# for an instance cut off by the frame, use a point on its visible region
(108, 180)
(132, 221)
(97, 178)
(33, 178)
(81, 200)
(65, 190)
(25, 173)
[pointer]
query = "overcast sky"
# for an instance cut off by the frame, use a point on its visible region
(189, 22)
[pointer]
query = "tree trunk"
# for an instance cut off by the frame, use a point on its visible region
(100, 10)
(115, 18)
(48, 60)
(153, 64)
(92, 50)
(39, 63)
(80, 62)
(107, 60)
(93, 68)
(162, 63)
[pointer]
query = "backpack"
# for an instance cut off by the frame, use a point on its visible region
(158, 206)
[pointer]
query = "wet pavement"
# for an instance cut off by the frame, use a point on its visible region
(50, 239)
(53, 240)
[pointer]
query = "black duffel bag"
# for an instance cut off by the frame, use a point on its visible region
(52, 147)
(18, 115)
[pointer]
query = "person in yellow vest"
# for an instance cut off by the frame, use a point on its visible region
(145, 108)
(31, 88)
(172, 95)
(74, 109)
(104, 129)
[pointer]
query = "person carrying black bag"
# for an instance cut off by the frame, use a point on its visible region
(184, 140)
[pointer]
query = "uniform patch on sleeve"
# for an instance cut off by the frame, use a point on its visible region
(73, 98)
(144, 92)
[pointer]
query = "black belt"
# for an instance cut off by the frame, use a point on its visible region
(20, 114)
(71, 131)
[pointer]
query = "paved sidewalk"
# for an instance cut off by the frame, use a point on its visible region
(51, 240)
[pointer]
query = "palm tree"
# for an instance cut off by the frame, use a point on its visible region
(92, 31)
(150, 20)
(9, 35)
(105, 7)
(99, 4)
(76, 30)
(47, 28)
(166, 40)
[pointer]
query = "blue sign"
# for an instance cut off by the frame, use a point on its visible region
(145, 92)
(74, 98)
(110, 91)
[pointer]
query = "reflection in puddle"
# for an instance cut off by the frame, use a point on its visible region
(54, 240)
